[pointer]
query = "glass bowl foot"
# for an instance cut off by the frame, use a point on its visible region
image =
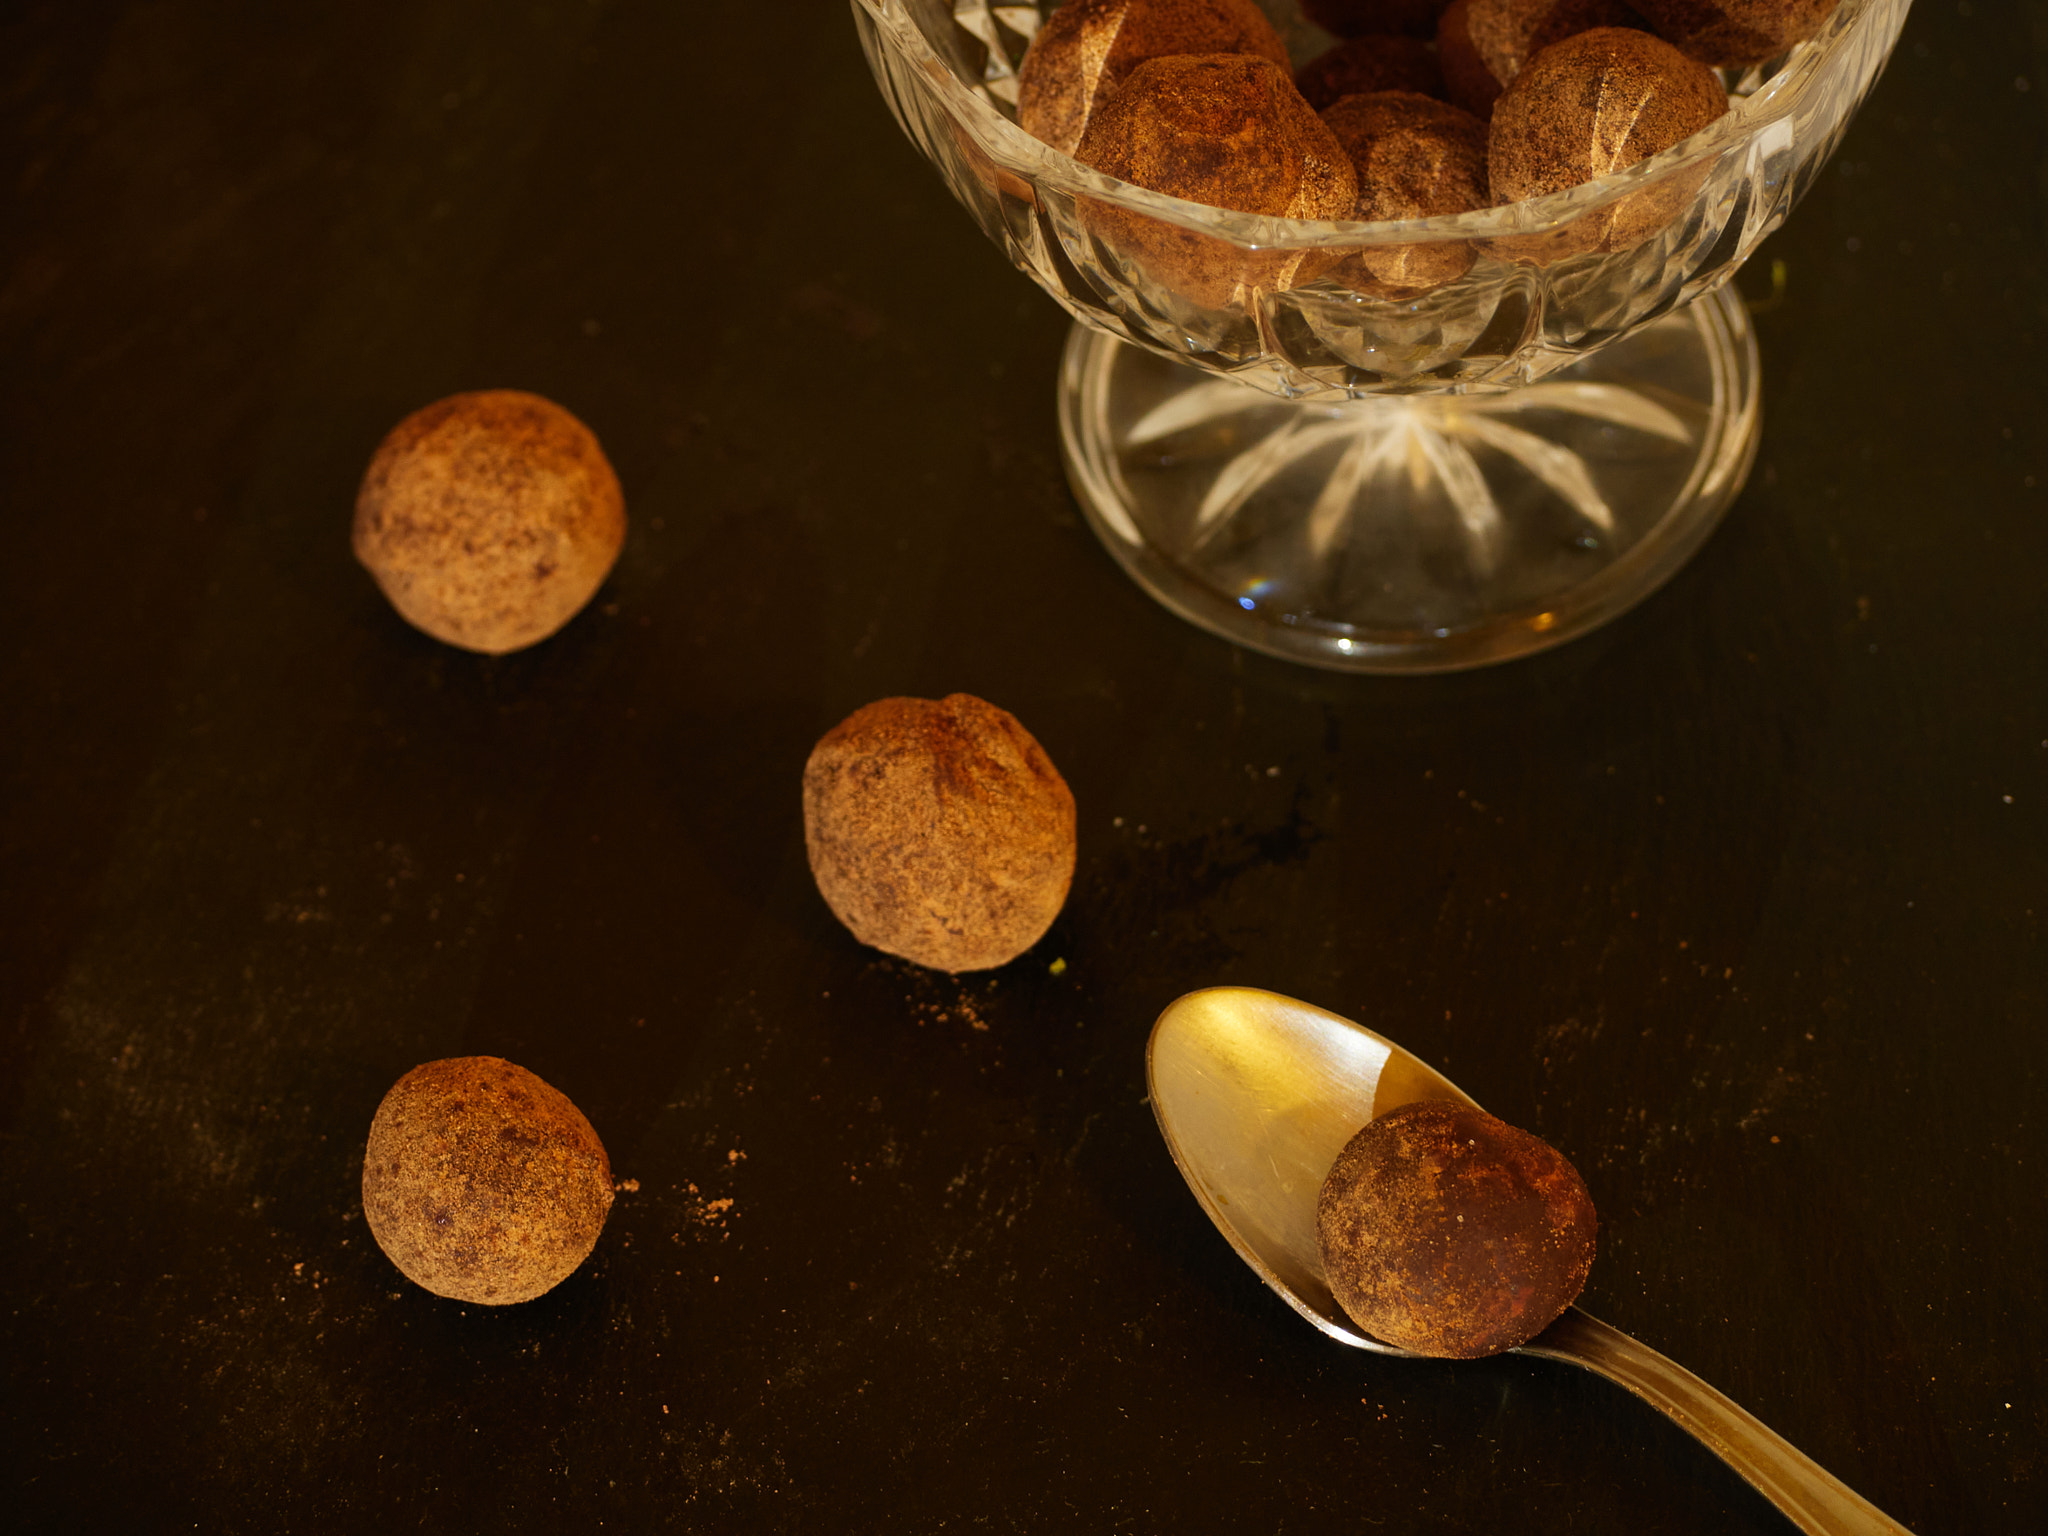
(1415, 533)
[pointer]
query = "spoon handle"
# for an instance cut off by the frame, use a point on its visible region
(1811, 1497)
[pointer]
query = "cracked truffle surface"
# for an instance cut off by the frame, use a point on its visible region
(939, 830)
(1451, 1233)
(1086, 48)
(489, 519)
(1594, 104)
(482, 1183)
(1229, 130)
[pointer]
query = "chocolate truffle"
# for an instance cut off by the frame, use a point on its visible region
(1086, 48)
(1451, 1233)
(1597, 103)
(1229, 130)
(939, 830)
(1416, 159)
(1363, 65)
(1353, 18)
(489, 519)
(1736, 32)
(1483, 44)
(482, 1183)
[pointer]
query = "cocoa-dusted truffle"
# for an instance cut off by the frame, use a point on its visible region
(1594, 104)
(1363, 65)
(1416, 159)
(1229, 130)
(1451, 1233)
(1483, 44)
(1353, 18)
(482, 1183)
(1736, 32)
(939, 830)
(489, 519)
(1086, 48)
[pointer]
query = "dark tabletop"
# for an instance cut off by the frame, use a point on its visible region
(1740, 902)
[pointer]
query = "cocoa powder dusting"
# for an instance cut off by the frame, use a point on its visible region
(483, 1183)
(489, 519)
(1086, 48)
(1450, 1233)
(939, 830)
(1228, 130)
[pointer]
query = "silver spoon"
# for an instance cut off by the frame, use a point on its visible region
(1256, 1094)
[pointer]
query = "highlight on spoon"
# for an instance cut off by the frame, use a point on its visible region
(1255, 1095)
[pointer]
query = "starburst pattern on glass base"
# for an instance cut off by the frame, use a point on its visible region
(1414, 532)
(1403, 444)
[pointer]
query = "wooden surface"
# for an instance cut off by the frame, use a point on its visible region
(1738, 902)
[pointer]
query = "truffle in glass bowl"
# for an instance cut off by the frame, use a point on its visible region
(1375, 478)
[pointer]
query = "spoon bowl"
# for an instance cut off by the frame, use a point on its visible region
(1256, 1094)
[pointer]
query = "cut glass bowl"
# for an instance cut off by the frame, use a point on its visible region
(1396, 482)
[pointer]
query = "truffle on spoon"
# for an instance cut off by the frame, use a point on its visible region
(1452, 1233)
(1256, 1094)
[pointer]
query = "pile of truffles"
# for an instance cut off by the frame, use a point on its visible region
(1451, 1233)
(1428, 108)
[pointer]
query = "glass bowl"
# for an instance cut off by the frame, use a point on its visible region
(1291, 454)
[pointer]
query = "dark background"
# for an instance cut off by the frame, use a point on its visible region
(1739, 902)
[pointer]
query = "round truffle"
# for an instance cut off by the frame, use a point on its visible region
(939, 830)
(1416, 159)
(1447, 1232)
(1352, 18)
(1364, 65)
(1086, 48)
(1483, 44)
(482, 1183)
(1736, 32)
(1229, 130)
(1597, 103)
(489, 519)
